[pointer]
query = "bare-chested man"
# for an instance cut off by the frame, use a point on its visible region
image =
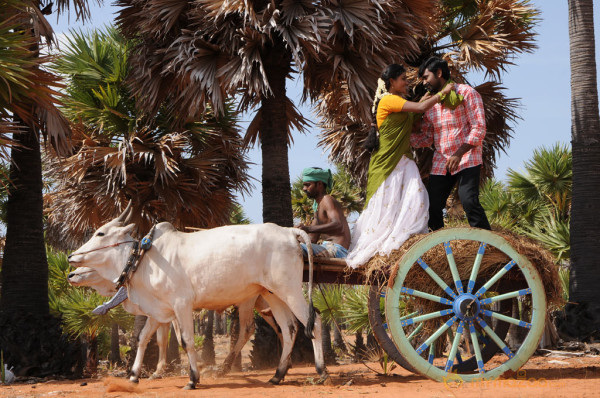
(329, 223)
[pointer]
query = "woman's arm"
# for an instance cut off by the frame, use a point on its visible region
(423, 106)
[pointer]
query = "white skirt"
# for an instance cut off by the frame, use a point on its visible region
(398, 209)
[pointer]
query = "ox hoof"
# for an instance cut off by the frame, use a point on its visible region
(155, 376)
(275, 381)
(324, 377)
(134, 380)
(190, 386)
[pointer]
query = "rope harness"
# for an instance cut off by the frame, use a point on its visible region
(135, 257)
(105, 247)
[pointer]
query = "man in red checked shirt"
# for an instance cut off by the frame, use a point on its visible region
(456, 128)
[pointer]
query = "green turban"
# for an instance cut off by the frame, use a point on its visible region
(314, 174)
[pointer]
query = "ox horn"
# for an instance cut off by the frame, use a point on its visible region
(124, 217)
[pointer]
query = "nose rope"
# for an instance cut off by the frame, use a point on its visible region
(103, 247)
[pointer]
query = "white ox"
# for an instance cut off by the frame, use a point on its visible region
(84, 276)
(212, 269)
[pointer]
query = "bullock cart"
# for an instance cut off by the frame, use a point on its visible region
(442, 305)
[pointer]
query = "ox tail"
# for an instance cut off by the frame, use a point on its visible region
(308, 329)
(177, 332)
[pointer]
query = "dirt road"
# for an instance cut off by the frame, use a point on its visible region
(541, 377)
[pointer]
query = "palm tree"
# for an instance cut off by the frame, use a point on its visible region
(186, 176)
(536, 202)
(32, 343)
(193, 53)
(328, 300)
(74, 305)
(548, 179)
(473, 35)
(585, 134)
(356, 317)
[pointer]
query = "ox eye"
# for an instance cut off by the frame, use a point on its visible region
(100, 234)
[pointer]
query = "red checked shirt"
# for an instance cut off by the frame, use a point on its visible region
(448, 129)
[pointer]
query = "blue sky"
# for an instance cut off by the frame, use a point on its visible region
(541, 80)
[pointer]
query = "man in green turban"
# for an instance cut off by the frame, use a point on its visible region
(329, 222)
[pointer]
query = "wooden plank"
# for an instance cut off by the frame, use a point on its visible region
(333, 270)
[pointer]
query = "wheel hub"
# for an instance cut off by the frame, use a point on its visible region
(466, 307)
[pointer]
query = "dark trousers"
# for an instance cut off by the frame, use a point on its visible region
(439, 189)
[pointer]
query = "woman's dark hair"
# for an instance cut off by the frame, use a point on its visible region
(433, 64)
(393, 71)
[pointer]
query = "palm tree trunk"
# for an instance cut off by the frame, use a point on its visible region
(115, 352)
(328, 352)
(208, 346)
(585, 131)
(30, 337)
(151, 353)
(91, 366)
(266, 349)
(234, 335)
(219, 324)
(338, 340)
(25, 267)
(359, 346)
(276, 189)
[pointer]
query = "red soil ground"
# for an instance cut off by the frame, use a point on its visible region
(541, 377)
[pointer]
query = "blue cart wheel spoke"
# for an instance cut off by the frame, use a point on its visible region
(426, 317)
(426, 296)
(505, 296)
(499, 342)
(454, 349)
(436, 278)
(415, 332)
(476, 348)
(495, 278)
(453, 269)
(508, 319)
(480, 294)
(436, 335)
(476, 265)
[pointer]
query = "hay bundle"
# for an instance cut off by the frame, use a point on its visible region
(464, 254)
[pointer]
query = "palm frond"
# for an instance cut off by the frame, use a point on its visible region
(186, 175)
(29, 91)
(76, 307)
(329, 300)
(355, 311)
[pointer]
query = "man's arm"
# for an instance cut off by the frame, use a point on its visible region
(476, 117)
(333, 227)
(314, 236)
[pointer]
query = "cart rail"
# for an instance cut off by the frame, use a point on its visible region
(333, 270)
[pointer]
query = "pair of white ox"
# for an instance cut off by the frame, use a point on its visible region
(210, 269)
(84, 276)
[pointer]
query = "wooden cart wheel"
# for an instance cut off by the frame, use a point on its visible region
(380, 329)
(467, 306)
(384, 339)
